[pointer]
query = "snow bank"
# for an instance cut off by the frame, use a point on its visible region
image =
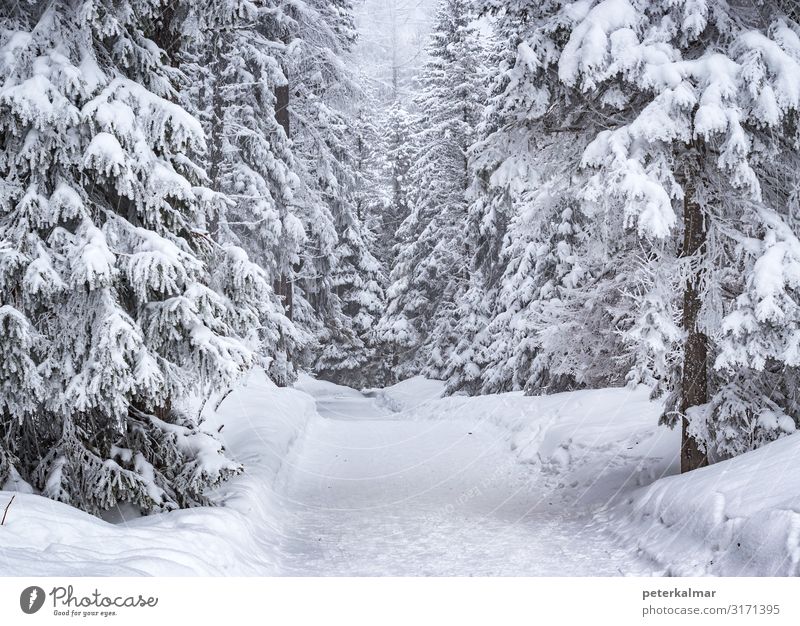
(260, 425)
(736, 518)
(545, 429)
(407, 394)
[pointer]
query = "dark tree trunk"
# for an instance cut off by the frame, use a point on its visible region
(163, 34)
(283, 285)
(694, 382)
(282, 107)
(214, 60)
(283, 288)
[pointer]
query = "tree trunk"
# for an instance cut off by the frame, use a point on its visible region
(694, 382)
(214, 60)
(395, 60)
(282, 106)
(283, 286)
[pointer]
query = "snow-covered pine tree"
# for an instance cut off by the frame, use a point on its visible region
(236, 69)
(695, 98)
(315, 35)
(349, 353)
(432, 265)
(756, 395)
(371, 195)
(339, 280)
(110, 315)
(552, 327)
(394, 333)
(492, 161)
(546, 290)
(397, 129)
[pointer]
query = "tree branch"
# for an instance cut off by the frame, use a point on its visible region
(5, 512)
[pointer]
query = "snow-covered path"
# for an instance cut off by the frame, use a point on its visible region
(412, 483)
(371, 492)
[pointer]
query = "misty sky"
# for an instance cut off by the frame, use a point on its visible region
(393, 33)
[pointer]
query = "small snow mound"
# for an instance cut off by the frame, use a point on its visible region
(408, 394)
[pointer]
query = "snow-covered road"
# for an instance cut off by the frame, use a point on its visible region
(372, 492)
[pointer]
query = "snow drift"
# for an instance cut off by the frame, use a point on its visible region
(260, 424)
(740, 517)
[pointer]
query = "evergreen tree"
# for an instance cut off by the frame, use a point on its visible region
(340, 281)
(431, 268)
(397, 129)
(236, 71)
(680, 106)
(113, 310)
(371, 195)
(496, 158)
(348, 352)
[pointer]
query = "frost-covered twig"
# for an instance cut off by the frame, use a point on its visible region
(222, 399)
(5, 512)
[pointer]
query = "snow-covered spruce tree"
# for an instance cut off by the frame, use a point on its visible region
(371, 195)
(491, 160)
(348, 349)
(432, 265)
(553, 326)
(340, 281)
(397, 129)
(394, 334)
(696, 98)
(314, 35)
(548, 291)
(372, 192)
(110, 315)
(757, 396)
(236, 70)
(555, 285)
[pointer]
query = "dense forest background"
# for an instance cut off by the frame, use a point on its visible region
(505, 195)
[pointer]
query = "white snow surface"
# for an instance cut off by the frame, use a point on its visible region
(466, 486)
(740, 517)
(401, 481)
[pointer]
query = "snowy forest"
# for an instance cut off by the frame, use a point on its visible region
(508, 196)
